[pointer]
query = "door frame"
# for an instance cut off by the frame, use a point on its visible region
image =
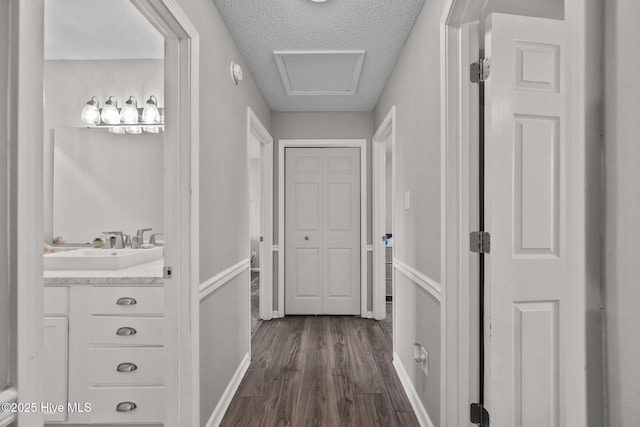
(324, 143)
(182, 187)
(386, 132)
(257, 130)
(181, 205)
(458, 269)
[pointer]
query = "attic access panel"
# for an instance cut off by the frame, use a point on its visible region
(320, 72)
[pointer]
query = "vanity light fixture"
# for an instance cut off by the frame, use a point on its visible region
(150, 118)
(91, 112)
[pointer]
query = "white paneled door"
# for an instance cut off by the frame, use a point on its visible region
(322, 231)
(527, 271)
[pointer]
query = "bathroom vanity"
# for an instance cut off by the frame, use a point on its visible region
(105, 345)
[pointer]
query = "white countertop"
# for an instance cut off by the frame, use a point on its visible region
(147, 273)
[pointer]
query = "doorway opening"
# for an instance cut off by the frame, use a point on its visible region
(178, 203)
(260, 183)
(383, 224)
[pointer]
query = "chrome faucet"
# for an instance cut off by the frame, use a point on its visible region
(115, 239)
(140, 235)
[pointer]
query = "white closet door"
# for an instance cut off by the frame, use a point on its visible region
(528, 269)
(322, 231)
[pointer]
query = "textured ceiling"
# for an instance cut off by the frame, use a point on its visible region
(98, 29)
(380, 27)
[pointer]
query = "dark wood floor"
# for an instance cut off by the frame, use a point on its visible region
(320, 371)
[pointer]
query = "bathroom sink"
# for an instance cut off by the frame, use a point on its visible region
(100, 259)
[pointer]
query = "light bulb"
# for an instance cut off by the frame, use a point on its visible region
(150, 113)
(90, 113)
(110, 114)
(129, 113)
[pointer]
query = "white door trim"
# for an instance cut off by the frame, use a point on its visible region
(324, 143)
(256, 129)
(181, 183)
(27, 53)
(386, 132)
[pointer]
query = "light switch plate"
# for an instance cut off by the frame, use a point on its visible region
(407, 200)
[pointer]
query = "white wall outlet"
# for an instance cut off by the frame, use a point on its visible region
(407, 200)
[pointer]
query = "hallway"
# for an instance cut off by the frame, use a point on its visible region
(320, 371)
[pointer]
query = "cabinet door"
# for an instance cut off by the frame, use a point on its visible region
(56, 333)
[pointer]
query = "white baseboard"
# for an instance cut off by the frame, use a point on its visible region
(412, 394)
(7, 396)
(223, 404)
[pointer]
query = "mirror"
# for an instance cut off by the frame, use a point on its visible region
(106, 182)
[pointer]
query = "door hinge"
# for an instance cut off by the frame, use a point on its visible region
(480, 242)
(480, 70)
(261, 238)
(167, 272)
(479, 415)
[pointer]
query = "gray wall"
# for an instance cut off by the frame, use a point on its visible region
(224, 337)
(70, 84)
(622, 234)
(322, 125)
(224, 199)
(414, 88)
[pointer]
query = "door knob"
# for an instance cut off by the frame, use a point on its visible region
(306, 237)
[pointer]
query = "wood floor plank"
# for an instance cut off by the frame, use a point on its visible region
(267, 359)
(241, 410)
(311, 406)
(366, 375)
(384, 359)
(320, 371)
(407, 419)
(375, 410)
(339, 355)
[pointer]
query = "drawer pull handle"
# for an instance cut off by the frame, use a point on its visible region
(127, 367)
(126, 301)
(126, 406)
(126, 330)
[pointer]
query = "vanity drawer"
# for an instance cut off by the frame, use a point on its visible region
(123, 330)
(125, 365)
(124, 300)
(149, 404)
